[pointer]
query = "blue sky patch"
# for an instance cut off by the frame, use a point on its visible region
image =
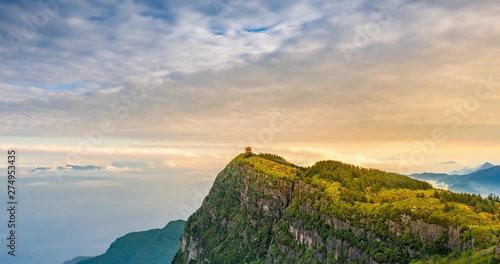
(258, 29)
(60, 86)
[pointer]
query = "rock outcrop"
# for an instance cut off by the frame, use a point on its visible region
(497, 251)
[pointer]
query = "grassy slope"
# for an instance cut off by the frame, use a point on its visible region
(339, 190)
(485, 256)
(387, 194)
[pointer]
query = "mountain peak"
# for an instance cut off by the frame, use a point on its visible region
(264, 209)
(486, 165)
(468, 170)
(451, 162)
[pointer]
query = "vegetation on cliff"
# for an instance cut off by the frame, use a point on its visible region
(263, 209)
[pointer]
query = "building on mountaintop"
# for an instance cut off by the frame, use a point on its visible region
(248, 151)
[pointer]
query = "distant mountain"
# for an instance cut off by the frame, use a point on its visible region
(69, 167)
(449, 163)
(263, 209)
(76, 260)
(483, 181)
(156, 246)
(40, 169)
(464, 171)
(87, 167)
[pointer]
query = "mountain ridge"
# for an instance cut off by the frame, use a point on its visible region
(155, 246)
(484, 181)
(465, 171)
(77, 259)
(263, 209)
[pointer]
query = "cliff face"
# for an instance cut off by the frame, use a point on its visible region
(236, 219)
(497, 251)
(263, 209)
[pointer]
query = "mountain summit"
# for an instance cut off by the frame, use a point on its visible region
(263, 209)
(465, 171)
(485, 166)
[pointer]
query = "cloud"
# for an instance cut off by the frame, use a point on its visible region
(60, 170)
(316, 154)
(439, 185)
(170, 163)
(218, 78)
(158, 151)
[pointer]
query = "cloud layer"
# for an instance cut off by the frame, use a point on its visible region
(218, 72)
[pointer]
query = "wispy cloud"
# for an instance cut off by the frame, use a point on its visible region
(218, 79)
(154, 151)
(439, 185)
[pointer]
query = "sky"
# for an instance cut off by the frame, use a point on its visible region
(170, 91)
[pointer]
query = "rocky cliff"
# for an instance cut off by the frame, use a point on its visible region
(263, 209)
(497, 252)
